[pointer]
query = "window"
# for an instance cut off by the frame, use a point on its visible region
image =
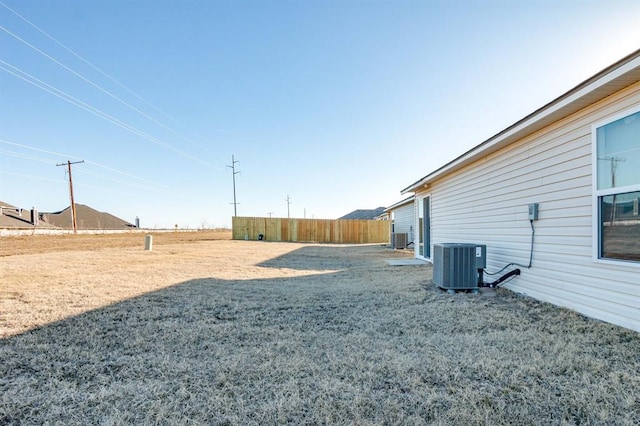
(393, 222)
(617, 192)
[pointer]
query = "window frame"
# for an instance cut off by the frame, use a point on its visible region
(596, 193)
(419, 234)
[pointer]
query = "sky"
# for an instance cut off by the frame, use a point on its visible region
(325, 106)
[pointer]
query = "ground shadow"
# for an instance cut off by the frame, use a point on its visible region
(321, 348)
(199, 350)
(334, 257)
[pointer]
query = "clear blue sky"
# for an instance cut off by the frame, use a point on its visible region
(337, 104)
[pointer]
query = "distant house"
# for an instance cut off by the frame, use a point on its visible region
(402, 217)
(12, 217)
(87, 218)
(577, 160)
(364, 214)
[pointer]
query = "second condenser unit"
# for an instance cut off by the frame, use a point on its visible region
(399, 240)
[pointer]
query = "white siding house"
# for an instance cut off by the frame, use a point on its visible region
(578, 158)
(402, 218)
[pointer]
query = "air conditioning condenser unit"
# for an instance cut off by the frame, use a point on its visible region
(455, 266)
(399, 240)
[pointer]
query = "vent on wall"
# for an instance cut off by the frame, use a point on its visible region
(398, 240)
(454, 266)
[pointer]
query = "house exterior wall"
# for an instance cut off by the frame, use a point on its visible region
(486, 203)
(403, 220)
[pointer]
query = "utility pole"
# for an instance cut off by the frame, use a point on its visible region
(73, 204)
(233, 170)
(288, 203)
(270, 213)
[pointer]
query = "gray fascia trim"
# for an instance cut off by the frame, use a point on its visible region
(399, 203)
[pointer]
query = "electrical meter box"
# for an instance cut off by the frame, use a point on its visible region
(533, 211)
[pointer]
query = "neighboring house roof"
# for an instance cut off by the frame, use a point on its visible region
(605, 83)
(16, 217)
(364, 214)
(401, 203)
(87, 218)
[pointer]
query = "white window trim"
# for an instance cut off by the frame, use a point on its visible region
(595, 193)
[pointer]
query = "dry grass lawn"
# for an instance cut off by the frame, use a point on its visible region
(204, 330)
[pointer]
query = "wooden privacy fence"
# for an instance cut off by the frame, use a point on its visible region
(311, 230)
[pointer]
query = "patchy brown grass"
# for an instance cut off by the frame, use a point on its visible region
(235, 332)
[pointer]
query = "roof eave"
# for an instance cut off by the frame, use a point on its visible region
(608, 81)
(400, 203)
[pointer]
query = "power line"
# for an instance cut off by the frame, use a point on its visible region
(37, 149)
(102, 166)
(84, 185)
(112, 191)
(147, 184)
(97, 86)
(26, 156)
(22, 175)
(102, 72)
(74, 101)
(89, 108)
